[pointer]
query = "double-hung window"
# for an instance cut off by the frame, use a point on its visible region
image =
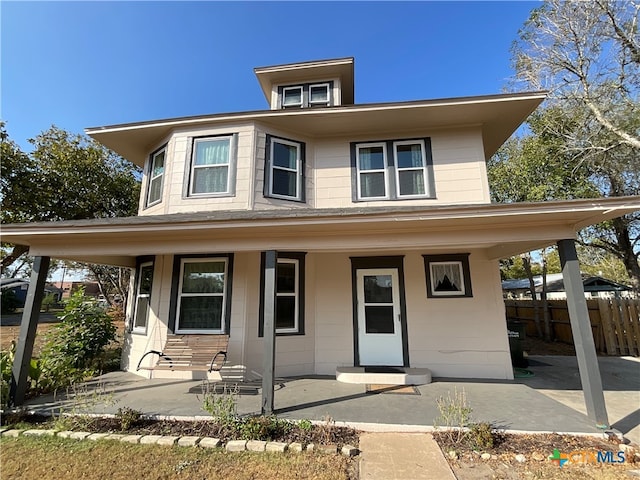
(285, 169)
(211, 166)
(202, 295)
(143, 297)
(156, 176)
(392, 169)
(289, 308)
(372, 171)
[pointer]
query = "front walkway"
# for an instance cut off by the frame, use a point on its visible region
(540, 403)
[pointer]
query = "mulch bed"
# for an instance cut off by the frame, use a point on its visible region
(324, 434)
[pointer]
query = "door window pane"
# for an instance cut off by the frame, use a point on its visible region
(378, 289)
(379, 319)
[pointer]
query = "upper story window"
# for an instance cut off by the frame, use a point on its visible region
(284, 172)
(392, 170)
(212, 166)
(156, 176)
(306, 95)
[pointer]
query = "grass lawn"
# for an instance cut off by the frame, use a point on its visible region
(40, 458)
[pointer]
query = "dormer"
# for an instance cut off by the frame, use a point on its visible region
(322, 83)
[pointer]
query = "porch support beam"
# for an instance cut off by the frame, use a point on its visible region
(582, 335)
(28, 327)
(269, 339)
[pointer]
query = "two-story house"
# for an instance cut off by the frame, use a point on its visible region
(365, 232)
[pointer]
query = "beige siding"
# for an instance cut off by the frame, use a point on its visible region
(458, 167)
(454, 337)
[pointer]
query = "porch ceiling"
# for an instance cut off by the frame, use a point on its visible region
(501, 229)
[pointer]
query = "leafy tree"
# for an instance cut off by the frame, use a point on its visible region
(65, 177)
(587, 54)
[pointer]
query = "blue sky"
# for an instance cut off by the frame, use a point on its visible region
(86, 64)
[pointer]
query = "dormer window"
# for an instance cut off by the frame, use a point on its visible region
(292, 97)
(319, 95)
(306, 95)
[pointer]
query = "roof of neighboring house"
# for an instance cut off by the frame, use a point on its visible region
(498, 116)
(555, 283)
(12, 282)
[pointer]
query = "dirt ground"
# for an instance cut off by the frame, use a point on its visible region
(468, 464)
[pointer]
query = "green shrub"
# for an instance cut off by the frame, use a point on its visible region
(480, 436)
(128, 417)
(8, 301)
(74, 345)
(263, 428)
(455, 415)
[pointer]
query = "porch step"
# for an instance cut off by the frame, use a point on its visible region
(401, 376)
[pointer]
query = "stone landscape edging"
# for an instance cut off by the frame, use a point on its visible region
(187, 441)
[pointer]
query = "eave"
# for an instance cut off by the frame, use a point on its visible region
(498, 116)
(501, 230)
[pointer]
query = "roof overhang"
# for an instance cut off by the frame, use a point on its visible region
(498, 116)
(502, 230)
(303, 72)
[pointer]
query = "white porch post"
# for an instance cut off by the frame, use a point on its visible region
(28, 328)
(269, 339)
(582, 335)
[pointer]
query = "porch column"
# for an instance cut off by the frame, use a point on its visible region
(28, 327)
(582, 335)
(269, 339)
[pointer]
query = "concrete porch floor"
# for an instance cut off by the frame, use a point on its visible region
(551, 401)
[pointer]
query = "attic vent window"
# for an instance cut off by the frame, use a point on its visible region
(292, 97)
(306, 95)
(319, 94)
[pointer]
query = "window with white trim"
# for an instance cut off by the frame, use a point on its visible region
(285, 169)
(211, 166)
(392, 170)
(156, 176)
(201, 301)
(143, 297)
(289, 308)
(306, 95)
(372, 171)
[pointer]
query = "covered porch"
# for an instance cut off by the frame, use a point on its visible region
(492, 231)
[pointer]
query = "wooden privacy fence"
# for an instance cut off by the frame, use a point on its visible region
(614, 322)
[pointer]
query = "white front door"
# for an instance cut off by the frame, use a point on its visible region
(379, 323)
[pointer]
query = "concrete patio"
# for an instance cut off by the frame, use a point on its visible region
(550, 401)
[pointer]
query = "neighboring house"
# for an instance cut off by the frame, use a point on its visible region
(594, 287)
(91, 289)
(20, 286)
(387, 242)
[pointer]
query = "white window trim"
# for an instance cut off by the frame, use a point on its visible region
(223, 295)
(407, 169)
(327, 89)
(137, 328)
(296, 294)
(152, 178)
(383, 170)
(296, 87)
(297, 171)
(228, 165)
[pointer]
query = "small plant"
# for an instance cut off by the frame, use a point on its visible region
(49, 301)
(305, 425)
(455, 415)
(222, 406)
(263, 428)
(327, 429)
(81, 398)
(480, 436)
(128, 417)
